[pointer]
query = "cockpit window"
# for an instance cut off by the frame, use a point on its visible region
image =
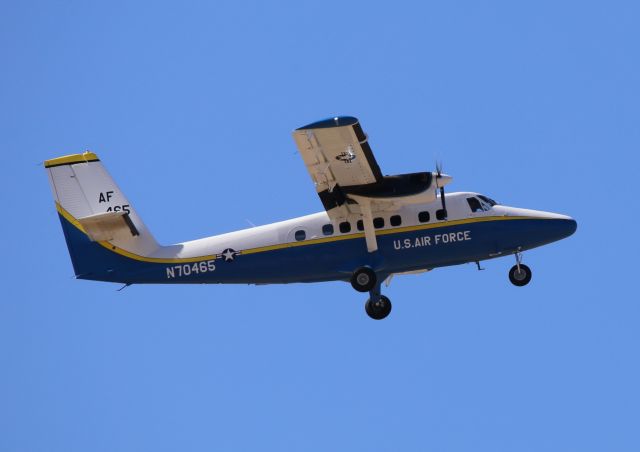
(474, 205)
(488, 200)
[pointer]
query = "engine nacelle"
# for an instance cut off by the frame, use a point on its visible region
(413, 188)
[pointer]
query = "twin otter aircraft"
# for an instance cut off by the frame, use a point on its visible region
(373, 226)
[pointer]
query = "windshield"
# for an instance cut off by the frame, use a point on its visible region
(489, 201)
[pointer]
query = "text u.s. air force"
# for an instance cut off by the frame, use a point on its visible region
(432, 240)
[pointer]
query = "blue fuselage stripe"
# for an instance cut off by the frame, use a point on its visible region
(400, 252)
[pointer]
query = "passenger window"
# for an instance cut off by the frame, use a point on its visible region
(360, 225)
(378, 222)
(474, 205)
(300, 235)
(345, 227)
(395, 220)
(441, 214)
(327, 229)
(424, 217)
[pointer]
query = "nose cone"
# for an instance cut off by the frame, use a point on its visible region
(567, 226)
(539, 227)
(550, 230)
(561, 226)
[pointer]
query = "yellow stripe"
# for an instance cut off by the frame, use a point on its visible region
(280, 246)
(70, 159)
(67, 216)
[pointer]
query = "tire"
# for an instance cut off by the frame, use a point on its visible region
(363, 279)
(521, 278)
(379, 310)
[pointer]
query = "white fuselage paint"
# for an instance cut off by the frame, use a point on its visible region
(283, 231)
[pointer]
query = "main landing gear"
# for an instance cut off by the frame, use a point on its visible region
(379, 309)
(364, 279)
(520, 274)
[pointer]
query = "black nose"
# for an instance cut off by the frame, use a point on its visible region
(567, 227)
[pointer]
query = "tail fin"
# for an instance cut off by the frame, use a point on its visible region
(92, 208)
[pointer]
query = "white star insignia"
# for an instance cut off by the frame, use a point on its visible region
(228, 255)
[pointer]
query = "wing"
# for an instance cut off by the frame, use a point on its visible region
(336, 152)
(347, 177)
(338, 157)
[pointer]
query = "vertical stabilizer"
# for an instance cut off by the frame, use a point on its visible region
(87, 197)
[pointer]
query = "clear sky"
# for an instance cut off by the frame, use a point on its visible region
(190, 105)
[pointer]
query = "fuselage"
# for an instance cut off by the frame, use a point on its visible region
(313, 248)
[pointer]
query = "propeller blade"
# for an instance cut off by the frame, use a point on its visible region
(438, 186)
(438, 168)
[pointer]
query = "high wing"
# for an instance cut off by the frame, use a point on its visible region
(347, 177)
(336, 153)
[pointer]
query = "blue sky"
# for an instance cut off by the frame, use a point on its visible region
(190, 105)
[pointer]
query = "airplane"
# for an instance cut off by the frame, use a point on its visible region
(373, 226)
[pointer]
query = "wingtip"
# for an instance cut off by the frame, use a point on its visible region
(336, 121)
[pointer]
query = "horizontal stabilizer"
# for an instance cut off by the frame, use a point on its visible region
(108, 226)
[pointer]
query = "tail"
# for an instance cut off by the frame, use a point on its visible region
(105, 236)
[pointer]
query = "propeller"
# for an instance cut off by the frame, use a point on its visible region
(441, 187)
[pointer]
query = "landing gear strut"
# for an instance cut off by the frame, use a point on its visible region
(520, 274)
(377, 306)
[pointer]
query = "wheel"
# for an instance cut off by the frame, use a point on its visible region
(520, 278)
(363, 279)
(378, 310)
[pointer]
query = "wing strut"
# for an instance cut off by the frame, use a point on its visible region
(367, 220)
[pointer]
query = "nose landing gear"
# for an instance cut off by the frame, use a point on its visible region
(520, 274)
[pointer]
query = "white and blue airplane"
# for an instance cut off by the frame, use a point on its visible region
(373, 226)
